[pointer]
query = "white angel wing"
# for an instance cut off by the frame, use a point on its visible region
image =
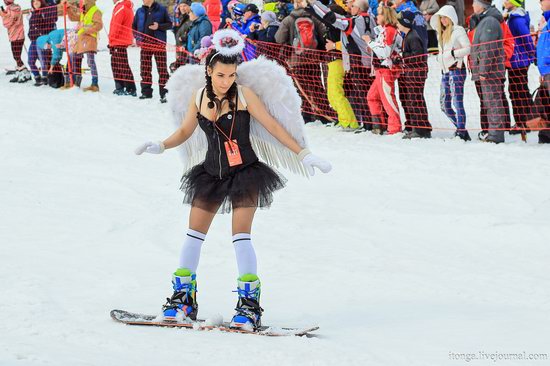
(181, 86)
(275, 88)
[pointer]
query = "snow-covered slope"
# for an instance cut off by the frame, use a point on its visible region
(407, 251)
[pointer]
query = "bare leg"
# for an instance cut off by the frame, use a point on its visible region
(200, 220)
(242, 219)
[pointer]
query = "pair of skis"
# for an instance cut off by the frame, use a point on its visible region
(130, 318)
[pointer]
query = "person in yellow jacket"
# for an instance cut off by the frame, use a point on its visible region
(90, 22)
(336, 75)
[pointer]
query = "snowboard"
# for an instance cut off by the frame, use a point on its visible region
(130, 318)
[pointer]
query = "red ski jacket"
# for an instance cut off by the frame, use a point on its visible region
(120, 32)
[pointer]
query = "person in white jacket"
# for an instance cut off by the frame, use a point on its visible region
(454, 46)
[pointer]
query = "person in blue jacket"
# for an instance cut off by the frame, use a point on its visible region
(150, 25)
(250, 19)
(200, 28)
(236, 18)
(524, 55)
(249, 22)
(53, 41)
(543, 63)
(373, 5)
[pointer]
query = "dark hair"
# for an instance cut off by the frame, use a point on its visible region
(211, 60)
(42, 4)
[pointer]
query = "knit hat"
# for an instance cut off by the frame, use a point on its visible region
(269, 17)
(484, 3)
(517, 3)
(186, 2)
(198, 9)
(206, 41)
(406, 18)
(252, 7)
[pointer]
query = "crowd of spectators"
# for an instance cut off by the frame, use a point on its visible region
(380, 48)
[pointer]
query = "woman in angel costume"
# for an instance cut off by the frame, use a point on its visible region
(240, 117)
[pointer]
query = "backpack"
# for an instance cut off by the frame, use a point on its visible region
(304, 34)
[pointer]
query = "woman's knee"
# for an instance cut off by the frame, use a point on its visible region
(200, 219)
(242, 219)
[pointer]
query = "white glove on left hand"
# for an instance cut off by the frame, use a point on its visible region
(151, 148)
(311, 161)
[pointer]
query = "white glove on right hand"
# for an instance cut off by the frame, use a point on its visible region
(311, 161)
(151, 148)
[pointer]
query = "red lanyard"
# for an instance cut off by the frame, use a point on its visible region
(232, 124)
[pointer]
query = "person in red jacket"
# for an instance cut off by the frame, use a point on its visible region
(213, 11)
(120, 37)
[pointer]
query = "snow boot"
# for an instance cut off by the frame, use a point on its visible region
(163, 93)
(248, 311)
(91, 88)
(183, 303)
(38, 81)
(377, 128)
(482, 135)
(15, 79)
(544, 137)
(417, 133)
(119, 88)
(463, 135)
(77, 80)
(24, 76)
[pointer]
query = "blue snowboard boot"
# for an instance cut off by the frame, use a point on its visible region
(183, 303)
(248, 311)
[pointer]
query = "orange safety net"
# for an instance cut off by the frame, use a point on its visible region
(490, 88)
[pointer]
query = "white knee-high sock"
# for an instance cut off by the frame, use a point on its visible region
(244, 251)
(191, 250)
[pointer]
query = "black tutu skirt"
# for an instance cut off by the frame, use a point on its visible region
(251, 186)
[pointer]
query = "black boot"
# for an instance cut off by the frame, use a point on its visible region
(463, 135)
(119, 88)
(418, 133)
(130, 89)
(77, 80)
(38, 81)
(15, 79)
(544, 137)
(377, 125)
(163, 93)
